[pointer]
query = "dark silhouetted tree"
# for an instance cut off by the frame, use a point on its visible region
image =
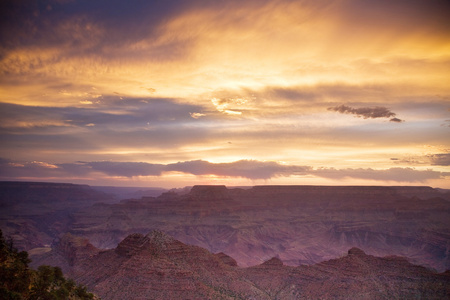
(18, 281)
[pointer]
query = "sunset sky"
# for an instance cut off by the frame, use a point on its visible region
(173, 93)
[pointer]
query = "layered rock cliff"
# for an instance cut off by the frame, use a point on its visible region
(300, 224)
(156, 266)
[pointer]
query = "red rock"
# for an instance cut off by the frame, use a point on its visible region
(156, 266)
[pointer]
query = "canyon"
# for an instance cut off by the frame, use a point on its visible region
(300, 224)
(157, 266)
(238, 228)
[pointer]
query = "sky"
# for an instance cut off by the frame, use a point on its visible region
(172, 93)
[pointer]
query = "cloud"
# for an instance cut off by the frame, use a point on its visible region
(364, 112)
(367, 112)
(367, 99)
(249, 169)
(126, 169)
(167, 81)
(77, 23)
(441, 159)
(230, 106)
(197, 115)
(396, 120)
(391, 174)
(196, 47)
(12, 170)
(111, 112)
(436, 159)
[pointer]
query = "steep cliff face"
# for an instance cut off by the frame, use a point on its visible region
(300, 224)
(156, 266)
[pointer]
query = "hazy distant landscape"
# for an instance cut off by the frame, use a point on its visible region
(72, 225)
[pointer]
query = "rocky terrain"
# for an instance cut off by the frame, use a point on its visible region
(298, 224)
(157, 266)
(34, 214)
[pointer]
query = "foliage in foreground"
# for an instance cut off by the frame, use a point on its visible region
(18, 281)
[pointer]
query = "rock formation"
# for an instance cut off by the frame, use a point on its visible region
(297, 224)
(156, 266)
(300, 224)
(34, 214)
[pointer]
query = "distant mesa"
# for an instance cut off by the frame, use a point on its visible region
(210, 191)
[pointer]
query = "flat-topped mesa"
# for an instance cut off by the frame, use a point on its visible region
(40, 185)
(209, 191)
(424, 191)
